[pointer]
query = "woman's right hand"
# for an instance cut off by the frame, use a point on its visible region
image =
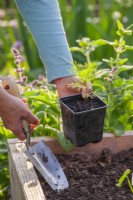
(12, 111)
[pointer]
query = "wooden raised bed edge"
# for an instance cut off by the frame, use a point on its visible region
(24, 183)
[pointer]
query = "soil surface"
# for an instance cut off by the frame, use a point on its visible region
(93, 178)
(79, 104)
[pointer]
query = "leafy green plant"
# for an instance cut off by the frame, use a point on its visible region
(88, 72)
(118, 90)
(115, 88)
(122, 179)
(4, 171)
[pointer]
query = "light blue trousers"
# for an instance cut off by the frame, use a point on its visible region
(44, 21)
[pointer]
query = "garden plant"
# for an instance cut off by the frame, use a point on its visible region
(122, 179)
(113, 81)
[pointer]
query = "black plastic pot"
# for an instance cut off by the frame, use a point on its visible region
(83, 121)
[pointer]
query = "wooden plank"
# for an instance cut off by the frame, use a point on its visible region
(15, 185)
(46, 138)
(24, 181)
(115, 144)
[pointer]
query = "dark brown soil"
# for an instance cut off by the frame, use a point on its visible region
(93, 178)
(79, 104)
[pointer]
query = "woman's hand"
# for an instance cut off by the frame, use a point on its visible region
(12, 111)
(63, 88)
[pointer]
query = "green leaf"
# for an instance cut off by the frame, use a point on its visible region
(119, 24)
(98, 85)
(100, 42)
(122, 61)
(127, 47)
(123, 177)
(84, 42)
(44, 99)
(119, 129)
(125, 68)
(106, 60)
(131, 105)
(39, 131)
(129, 87)
(100, 73)
(64, 142)
(123, 32)
(50, 131)
(4, 172)
(41, 116)
(76, 49)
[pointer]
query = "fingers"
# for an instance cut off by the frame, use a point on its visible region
(25, 102)
(86, 90)
(32, 127)
(84, 93)
(17, 130)
(31, 118)
(16, 126)
(19, 133)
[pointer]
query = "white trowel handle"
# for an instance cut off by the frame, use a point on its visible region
(10, 86)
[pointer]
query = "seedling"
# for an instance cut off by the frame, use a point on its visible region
(123, 177)
(86, 73)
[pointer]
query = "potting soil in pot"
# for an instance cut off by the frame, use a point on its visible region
(93, 178)
(79, 104)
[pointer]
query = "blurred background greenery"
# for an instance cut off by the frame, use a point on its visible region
(87, 18)
(81, 18)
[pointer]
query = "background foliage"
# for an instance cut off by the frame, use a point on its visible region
(94, 19)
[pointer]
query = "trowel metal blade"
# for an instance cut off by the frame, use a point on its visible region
(46, 163)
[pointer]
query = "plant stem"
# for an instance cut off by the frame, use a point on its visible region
(88, 58)
(110, 102)
(129, 183)
(85, 103)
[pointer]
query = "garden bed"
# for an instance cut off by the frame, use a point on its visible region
(92, 170)
(93, 178)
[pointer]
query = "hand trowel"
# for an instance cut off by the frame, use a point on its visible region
(40, 154)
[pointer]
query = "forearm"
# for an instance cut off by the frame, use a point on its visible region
(45, 23)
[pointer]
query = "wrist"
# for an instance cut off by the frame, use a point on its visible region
(64, 81)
